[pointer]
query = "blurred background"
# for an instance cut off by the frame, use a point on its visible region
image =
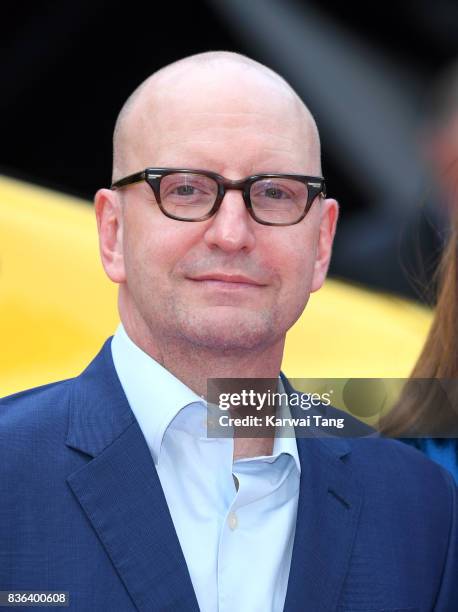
(381, 80)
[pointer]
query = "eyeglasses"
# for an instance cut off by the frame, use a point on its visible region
(196, 195)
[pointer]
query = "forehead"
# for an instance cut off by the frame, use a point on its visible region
(230, 118)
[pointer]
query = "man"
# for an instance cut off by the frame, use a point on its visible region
(110, 488)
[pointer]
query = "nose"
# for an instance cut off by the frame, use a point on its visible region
(231, 229)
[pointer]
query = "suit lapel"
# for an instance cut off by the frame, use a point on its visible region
(120, 492)
(327, 518)
(121, 495)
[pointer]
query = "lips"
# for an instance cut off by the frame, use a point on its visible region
(236, 279)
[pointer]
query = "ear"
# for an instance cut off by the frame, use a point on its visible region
(328, 220)
(110, 227)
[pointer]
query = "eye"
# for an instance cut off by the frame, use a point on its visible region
(184, 190)
(187, 187)
(276, 193)
(195, 192)
(269, 190)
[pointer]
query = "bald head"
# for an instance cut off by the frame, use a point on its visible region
(221, 84)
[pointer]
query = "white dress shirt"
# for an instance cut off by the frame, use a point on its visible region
(237, 543)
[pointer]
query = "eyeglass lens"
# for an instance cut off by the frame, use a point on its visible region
(188, 196)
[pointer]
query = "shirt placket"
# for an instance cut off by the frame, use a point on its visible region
(256, 486)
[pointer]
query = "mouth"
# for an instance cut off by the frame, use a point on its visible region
(227, 281)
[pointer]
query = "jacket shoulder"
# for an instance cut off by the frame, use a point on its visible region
(404, 474)
(34, 409)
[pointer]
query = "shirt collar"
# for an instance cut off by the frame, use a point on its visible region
(156, 397)
(285, 437)
(154, 394)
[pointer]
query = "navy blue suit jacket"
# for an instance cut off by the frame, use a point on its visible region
(82, 510)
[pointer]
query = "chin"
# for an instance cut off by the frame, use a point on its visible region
(231, 331)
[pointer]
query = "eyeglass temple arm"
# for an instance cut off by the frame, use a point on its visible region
(319, 186)
(128, 180)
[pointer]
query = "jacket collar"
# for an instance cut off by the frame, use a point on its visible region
(120, 492)
(98, 411)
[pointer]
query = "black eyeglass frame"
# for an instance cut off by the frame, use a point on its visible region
(316, 185)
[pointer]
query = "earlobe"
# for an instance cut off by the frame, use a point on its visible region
(328, 223)
(110, 228)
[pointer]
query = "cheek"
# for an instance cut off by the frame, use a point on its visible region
(297, 269)
(142, 252)
(153, 249)
(295, 261)
(298, 284)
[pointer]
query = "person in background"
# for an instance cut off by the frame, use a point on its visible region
(426, 415)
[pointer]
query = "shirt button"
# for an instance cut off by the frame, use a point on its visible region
(232, 520)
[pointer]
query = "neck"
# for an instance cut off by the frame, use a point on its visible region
(194, 365)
